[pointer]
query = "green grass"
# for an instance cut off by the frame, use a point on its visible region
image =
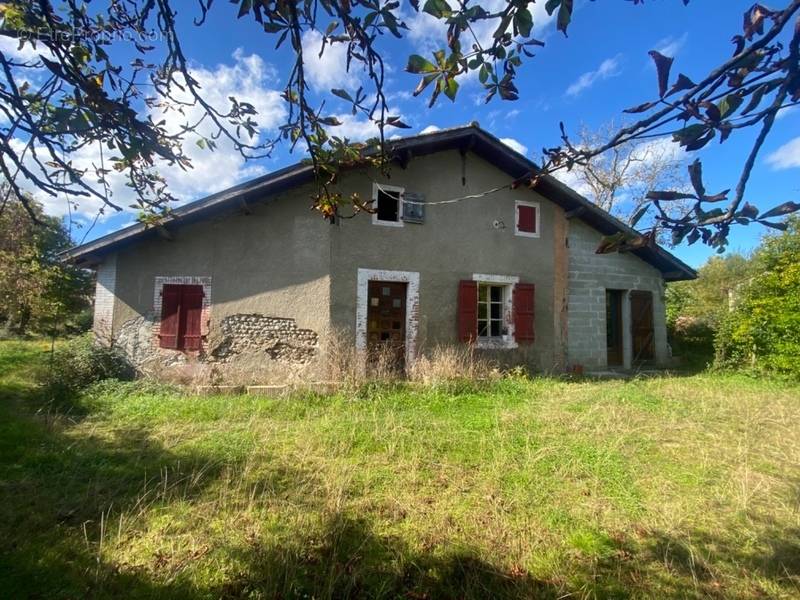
(669, 487)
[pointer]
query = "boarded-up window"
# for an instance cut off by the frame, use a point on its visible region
(181, 317)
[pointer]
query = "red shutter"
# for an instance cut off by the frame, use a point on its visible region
(170, 316)
(191, 316)
(467, 310)
(526, 218)
(524, 312)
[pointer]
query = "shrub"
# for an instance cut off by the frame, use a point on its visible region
(763, 330)
(79, 363)
(693, 340)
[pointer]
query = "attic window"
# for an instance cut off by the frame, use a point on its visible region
(527, 219)
(388, 205)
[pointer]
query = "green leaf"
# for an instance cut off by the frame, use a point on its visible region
(417, 64)
(729, 104)
(564, 16)
(437, 8)
(523, 21)
(450, 88)
(245, 8)
(551, 5)
(483, 74)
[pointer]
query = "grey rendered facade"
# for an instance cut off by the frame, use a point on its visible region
(279, 279)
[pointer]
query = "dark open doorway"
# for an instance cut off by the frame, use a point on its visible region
(614, 349)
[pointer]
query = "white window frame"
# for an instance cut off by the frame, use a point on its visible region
(376, 187)
(506, 341)
(537, 223)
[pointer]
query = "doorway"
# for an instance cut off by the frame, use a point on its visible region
(614, 347)
(386, 323)
(642, 329)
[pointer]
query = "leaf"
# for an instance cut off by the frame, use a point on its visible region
(701, 141)
(437, 8)
(610, 243)
(523, 21)
(774, 225)
(551, 5)
(749, 211)
(640, 108)
(564, 16)
(696, 177)
(689, 134)
(663, 66)
(729, 104)
(664, 195)
(342, 94)
(450, 88)
(332, 121)
(683, 83)
(424, 82)
(396, 122)
(245, 8)
(417, 64)
(782, 209)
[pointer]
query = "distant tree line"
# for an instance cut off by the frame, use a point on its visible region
(743, 311)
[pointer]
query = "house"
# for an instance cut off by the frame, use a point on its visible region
(252, 269)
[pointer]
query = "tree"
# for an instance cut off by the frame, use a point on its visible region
(92, 97)
(37, 291)
(618, 180)
(763, 330)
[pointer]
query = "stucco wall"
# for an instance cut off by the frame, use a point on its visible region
(590, 275)
(455, 241)
(273, 262)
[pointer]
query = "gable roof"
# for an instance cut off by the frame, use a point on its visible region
(467, 138)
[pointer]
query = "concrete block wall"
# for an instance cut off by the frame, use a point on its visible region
(590, 275)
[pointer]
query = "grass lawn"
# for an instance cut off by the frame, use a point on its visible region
(670, 487)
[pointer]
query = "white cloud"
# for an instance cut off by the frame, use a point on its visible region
(249, 79)
(670, 46)
(787, 156)
(610, 67)
(431, 129)
(515, 145)
(326, 72)
(11, 50)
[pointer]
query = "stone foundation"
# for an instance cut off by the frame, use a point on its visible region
(280, 339)
(238, 335)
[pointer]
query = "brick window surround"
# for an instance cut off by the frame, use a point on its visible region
(161, 281)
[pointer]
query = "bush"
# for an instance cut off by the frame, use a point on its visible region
(763, 331)
(693, 340)
(79, 363)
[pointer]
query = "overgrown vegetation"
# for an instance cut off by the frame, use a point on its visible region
(38, 292)
(746, 310)
(659, 488)
(763, 329)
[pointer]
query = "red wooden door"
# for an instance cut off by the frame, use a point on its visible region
(642, 330)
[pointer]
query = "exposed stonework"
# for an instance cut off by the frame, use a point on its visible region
(278, 338)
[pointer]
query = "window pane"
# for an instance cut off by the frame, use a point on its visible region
(388, 205)
(496, 325)
(482, 328)
(497, 293)
(497, 311)
(482, 291)
(482, 311)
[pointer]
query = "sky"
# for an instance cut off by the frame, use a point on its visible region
(585, 79)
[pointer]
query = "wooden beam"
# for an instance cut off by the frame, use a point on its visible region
(575, 212)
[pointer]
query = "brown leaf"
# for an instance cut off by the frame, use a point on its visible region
(663, 66)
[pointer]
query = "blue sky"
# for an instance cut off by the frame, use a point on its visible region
(585, 79)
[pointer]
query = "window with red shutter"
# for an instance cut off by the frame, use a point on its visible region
(467, 310)
(191, 313)
(170, 317)
(181, 317)
(524, 304)
(527, 219)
